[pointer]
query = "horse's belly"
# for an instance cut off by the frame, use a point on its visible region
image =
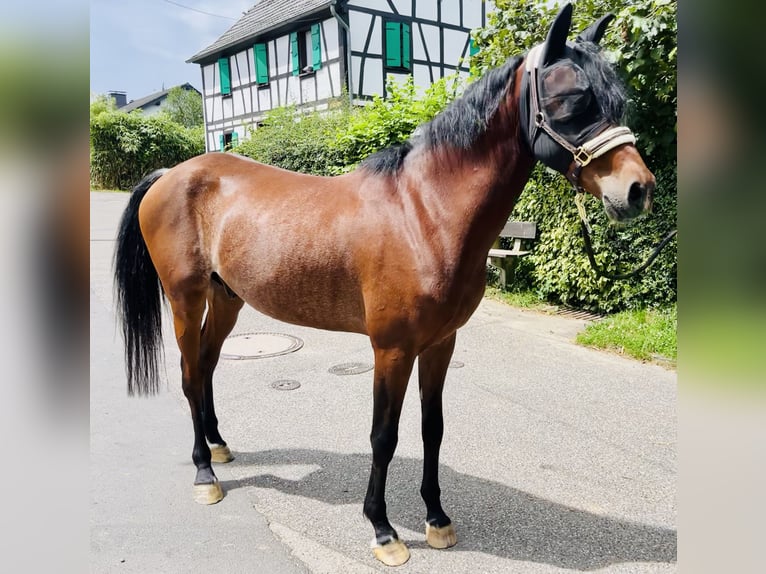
(304, 294)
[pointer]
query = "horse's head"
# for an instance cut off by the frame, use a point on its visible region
(572, 104)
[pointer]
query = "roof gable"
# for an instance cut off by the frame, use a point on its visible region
(264, 16)
(152, 98)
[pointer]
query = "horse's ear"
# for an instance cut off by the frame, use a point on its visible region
(595, 31)
(556, 41)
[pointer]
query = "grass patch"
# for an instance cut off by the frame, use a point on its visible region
(645, 334)
(522, 299)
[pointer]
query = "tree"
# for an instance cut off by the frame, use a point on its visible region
(100, 104)
(184, 107)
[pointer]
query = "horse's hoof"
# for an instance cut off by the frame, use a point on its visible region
(394, 553)
(443, 537)
(208, 493)
(220, 454)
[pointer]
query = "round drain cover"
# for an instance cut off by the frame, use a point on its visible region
(259, 345)
(285, 385)
(456, 365)
(350, 368)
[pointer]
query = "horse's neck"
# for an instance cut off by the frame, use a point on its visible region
(474, 192)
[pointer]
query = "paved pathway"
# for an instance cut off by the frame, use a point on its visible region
(555, 458)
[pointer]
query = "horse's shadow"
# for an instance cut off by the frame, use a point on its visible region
(490, 517)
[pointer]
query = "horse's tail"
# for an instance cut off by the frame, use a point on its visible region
(138, 295)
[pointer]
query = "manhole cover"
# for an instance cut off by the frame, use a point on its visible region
(456, 365)
(259, 345)
(350, 368)
(285, 385)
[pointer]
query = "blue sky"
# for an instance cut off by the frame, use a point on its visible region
(141, 45)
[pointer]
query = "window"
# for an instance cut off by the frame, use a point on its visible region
(305, 47)
(397, 45)
(228, 141)
(223, 69)
(261, 64)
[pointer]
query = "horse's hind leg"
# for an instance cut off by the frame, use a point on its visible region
(223, 310)
(188, 304)
(432, 370)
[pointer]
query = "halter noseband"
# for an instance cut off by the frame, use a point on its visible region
(595, 147)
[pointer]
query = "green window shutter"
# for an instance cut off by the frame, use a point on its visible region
(316, 47)
(223, 68)
(294, 50)
(473, 49)
(393, 45)
(261, 64)
(234, 139)
(220, 141)
(406, 46)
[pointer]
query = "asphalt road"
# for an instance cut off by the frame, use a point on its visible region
(555, 457)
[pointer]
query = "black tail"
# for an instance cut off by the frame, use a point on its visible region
(138, 295)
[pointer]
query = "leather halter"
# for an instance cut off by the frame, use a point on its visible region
(595, 147)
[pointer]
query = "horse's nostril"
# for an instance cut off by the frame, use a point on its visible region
(636, 194)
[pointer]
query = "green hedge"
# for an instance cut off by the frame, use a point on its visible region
(125, 147)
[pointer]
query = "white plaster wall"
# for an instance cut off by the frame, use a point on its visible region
(381, 5)
(376, 40)
(240, 73)
(426, 9)
(404, 7)
(431, 34)
(330, 39)
(308, 89)
(227, 107)
(421, 76)
(373, 77)
(451, 11)
(454, 43)
(208, 73)
(472, 14)
(359, 23)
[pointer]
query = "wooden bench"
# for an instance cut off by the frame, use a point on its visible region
(504, 259)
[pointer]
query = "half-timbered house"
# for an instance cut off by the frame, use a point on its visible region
(299, 52)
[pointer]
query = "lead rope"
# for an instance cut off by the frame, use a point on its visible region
(586, 231)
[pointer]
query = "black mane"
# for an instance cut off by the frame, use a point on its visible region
(606, 85)
(459, 125)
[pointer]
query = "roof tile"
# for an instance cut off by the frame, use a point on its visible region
(261, 17)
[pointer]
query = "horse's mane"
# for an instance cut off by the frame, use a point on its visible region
(606, 85)
(459, 125)
(467, 117)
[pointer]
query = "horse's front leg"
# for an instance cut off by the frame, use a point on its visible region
(432, 370)
(392, 372)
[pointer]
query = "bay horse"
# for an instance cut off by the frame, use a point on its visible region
(395, 250)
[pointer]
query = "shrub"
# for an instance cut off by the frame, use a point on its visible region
(298, 142)
(125, 147)
(335, 141)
